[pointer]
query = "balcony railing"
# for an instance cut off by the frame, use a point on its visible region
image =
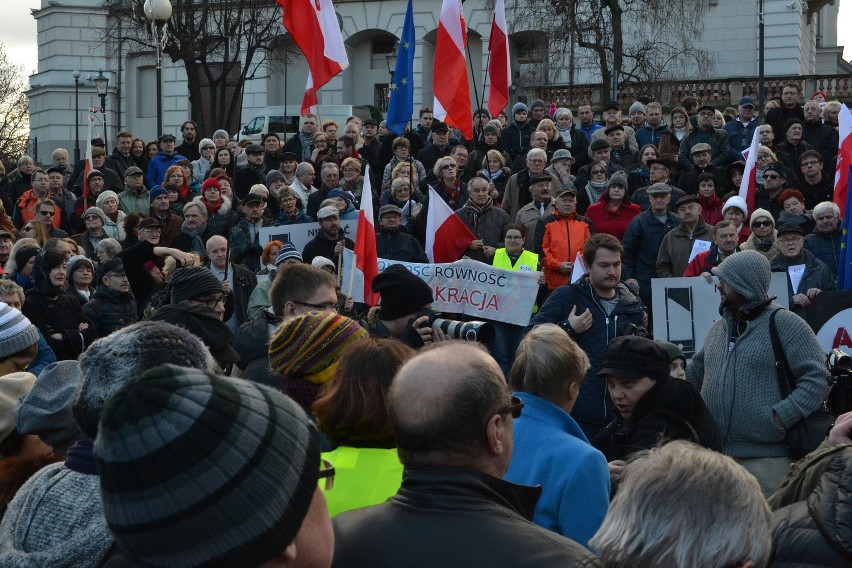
(716, 92)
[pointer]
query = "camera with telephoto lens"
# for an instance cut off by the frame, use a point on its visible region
(840, 370)
(480, 331)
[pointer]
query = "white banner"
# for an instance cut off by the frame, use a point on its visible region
(300, 234)
(686, 308)
(465, 287)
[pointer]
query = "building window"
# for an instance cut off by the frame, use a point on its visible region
(379, 49)
(380, 96)
(146, 84)
(530, 50)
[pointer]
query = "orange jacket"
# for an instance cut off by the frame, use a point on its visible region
(563, 239)
(27, 212)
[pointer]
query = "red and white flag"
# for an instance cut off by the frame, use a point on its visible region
(447, 237)
(499, 68)
(449, 82)
(366, 257)
(748, 185)
(314, 28)
(844, 158)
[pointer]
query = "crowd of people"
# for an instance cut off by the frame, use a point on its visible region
(178, 390)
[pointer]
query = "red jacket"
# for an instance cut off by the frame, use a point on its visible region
(612, 222)
(711, 208)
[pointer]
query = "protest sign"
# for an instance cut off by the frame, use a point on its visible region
(830, 316)
(685, 308)
(465, 287)
(301, 234)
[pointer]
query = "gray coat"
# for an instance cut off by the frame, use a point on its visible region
(490, 229)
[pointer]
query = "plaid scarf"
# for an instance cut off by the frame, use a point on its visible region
(474, 211)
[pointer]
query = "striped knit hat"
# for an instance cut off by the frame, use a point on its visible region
(193, 282)
(16, 331)
(309, 345)
(202, 470)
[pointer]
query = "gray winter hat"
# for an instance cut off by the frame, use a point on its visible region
(747, 272)
(46, 410)
(618, 178)
(16, 331)
(115, 359)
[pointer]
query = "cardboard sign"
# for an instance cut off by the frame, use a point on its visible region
(301, 234)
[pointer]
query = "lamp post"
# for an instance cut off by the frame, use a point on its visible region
(101, 84)
(391, 58)
(76, 75)
(159, 12)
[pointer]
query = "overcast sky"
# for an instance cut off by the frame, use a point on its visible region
(19, 31)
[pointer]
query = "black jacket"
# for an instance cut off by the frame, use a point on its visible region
(251, 342)
(818, 531)
(452, 516)
(244, 284)
(60, 315)
(109, 311)
(671, 410)
(321, 246)
(399, 246)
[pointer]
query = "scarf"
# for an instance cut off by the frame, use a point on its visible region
(307, 142)
(565, 135)
(474, 211)
(763, 244)
(197, 243)
(595, 190)
(680, 133)
(489, 176)
(452, 193)
(212, 208)
(41, 278)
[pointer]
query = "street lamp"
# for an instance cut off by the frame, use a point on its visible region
(101, 84)
(76, 75)
(391, 58)
(159, 12)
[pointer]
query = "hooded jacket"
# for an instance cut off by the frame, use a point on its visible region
(561, 239)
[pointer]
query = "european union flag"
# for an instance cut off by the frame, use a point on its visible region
(401, 105)
(844, 274)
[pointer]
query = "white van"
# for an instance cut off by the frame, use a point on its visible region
(284, 121)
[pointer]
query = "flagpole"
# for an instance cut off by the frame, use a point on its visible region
(485, 82)
(473, 78)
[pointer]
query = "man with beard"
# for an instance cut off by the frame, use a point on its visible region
(189, 146)
(677, 245)
(112, 305)
(752, 417)
(593, 311)
(253, 173)
(330, 241)
(194, 231)
(394, 244)
(300, 144)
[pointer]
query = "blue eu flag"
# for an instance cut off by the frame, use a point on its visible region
(844, 275)
(401, 105)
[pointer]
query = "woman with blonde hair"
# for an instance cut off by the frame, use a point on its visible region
(554, 140)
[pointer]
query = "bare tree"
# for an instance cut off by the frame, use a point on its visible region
(640, 41)
(14, 111)
(221, 44)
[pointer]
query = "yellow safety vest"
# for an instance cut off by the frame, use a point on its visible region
(527, 262)
(362, 477)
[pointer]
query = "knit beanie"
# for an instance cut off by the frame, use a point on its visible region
(193, 282)
(309, 345)
(400, 292)
(538, 103)
(96, 211)
(76, 262)
(736, 201)
(562, 110)
(45, 411)
(104, 196)
(205, 142)
(24, 255)
(16, 331)
(747, 272)
(115, 359)
(210, 182)
(518, 107)
(221, 132)
(672, 351)
(12, 387)
(202, 470)
(761, 214)
(636, 107)
(156, 192)
(791, 122)
(633, 357)
(618, 178)
(287, 252)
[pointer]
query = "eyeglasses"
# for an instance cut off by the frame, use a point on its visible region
(327, 473)
(772, 176)
(349, 170)
(514, 409)
(705, 114)
(327, 307)
(47, 213)
(809, 163)
(761, 224)
(790, 241)
(211, 302)
(448, 167)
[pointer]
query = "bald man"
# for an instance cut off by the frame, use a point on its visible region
(239, 282)
(452, 417)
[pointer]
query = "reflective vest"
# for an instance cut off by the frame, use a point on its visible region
(527, 262)
(362, 477)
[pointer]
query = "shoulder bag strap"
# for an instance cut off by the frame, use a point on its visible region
(782, 368)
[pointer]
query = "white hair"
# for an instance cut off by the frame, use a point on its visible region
(825, 207)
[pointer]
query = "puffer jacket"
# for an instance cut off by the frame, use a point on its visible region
(817, 532)
(558, 239)
(109, 311)
(826, 247)
(594, 407)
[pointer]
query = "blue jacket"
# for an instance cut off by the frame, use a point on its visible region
(552, 451)
(157, 168)
(594, 408)
(740, 135)
(641, 245)
(826, 248)
(649, 135)
(589, 130)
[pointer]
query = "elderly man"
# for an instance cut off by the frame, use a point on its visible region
(439, 147)
(823, 137)
(659, 170)
(487, 223)
(135, 198)
(194, 232)
(559, 237)
(452, 418)
(64, 199)
(716, 138)
(807, 276)
(517, 193)
(95, 219)
(238, 281)
(825, 242)
(701, 155)
(676, 248)
(681, 484)
(538, 139)
(542, 205)
(725, 243)
(330, 240)
(394, 244)
(303, 186)
(330, 176)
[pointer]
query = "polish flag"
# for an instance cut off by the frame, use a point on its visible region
(449, 83)
(447, 237)
(314, 28)
(499, 68)
(366, 257)
(748, 186)
(844, 158)
(579, 269)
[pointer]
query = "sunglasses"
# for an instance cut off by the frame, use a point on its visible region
(327, 473)
(762, 224)
(47, 213)
(448, 167)
(514, 409)
(771, 176)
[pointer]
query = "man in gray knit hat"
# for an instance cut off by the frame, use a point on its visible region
(735, 370)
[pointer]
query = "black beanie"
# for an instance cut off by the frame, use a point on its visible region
(24, 256)
(401, 292)
(193, 282)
